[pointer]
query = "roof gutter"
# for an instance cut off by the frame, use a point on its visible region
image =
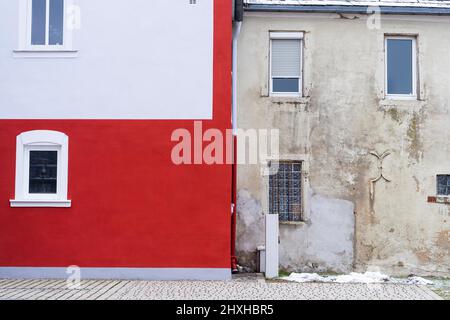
(401, 10)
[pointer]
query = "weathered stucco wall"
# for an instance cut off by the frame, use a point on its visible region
(341, 119)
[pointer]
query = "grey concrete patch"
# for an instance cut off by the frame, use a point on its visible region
(323, 244)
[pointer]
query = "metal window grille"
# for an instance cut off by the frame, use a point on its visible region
(285, 191)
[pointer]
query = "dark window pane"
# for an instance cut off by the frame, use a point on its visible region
(285, 191)
(43, 171)
(56, 23)
(399, 66)
(285, 85)
(443, 185)
(38, 20)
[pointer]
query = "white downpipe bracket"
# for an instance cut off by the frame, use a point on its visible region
(272, 236)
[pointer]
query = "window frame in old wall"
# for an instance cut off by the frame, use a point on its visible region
(415, 74)
(286, 35)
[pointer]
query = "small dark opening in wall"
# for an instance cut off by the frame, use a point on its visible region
(443, 185)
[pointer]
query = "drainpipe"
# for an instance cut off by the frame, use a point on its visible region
(236, 32)
(237, 23)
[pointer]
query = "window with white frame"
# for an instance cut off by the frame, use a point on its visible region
(41, 169)
(43, 25)
(401, 67)
(286, 63)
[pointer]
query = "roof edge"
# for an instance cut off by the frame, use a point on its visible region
(356, 9)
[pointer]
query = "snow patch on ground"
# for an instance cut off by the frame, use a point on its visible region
(306, 277)
(419, 281)
(368, 277)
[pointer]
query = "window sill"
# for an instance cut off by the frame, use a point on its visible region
(288, 104)
(443, 199)
(44, 53)
(401, 97)
(293, 223)
(415, 104)
(40, 203)
(287, 99)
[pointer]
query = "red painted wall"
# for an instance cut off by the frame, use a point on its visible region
(131, 207)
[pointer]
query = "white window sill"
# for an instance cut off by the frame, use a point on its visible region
(407, 105)
(401, 97)
(45, 53)
(443, 199)
(293, 223)
(40, 203)
(292, 95)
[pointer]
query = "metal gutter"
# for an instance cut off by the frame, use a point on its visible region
(400, 10)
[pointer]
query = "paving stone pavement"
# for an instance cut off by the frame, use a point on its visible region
(240, 288)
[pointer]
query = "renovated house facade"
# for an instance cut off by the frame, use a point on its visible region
(93, 95)
(360, 94)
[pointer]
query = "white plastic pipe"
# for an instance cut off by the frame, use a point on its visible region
(272, 236)
(236, 33)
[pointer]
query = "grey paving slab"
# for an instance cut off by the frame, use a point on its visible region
(240, 288)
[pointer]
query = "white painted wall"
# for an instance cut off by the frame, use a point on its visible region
(135, 59)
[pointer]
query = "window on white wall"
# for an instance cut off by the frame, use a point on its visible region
(43, 25)
(401, 67)
(286, 63)
(41, 169)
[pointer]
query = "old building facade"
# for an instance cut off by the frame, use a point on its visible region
(362, 102)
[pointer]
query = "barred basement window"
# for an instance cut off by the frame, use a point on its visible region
(443, 185)
(285, 191)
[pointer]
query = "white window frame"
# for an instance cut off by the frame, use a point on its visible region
(41, 140)
(412, 96)
(25, 25)
(274, 35)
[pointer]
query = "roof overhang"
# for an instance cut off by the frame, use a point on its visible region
(355, 9)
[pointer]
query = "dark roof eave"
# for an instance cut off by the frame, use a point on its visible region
(346, 9)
